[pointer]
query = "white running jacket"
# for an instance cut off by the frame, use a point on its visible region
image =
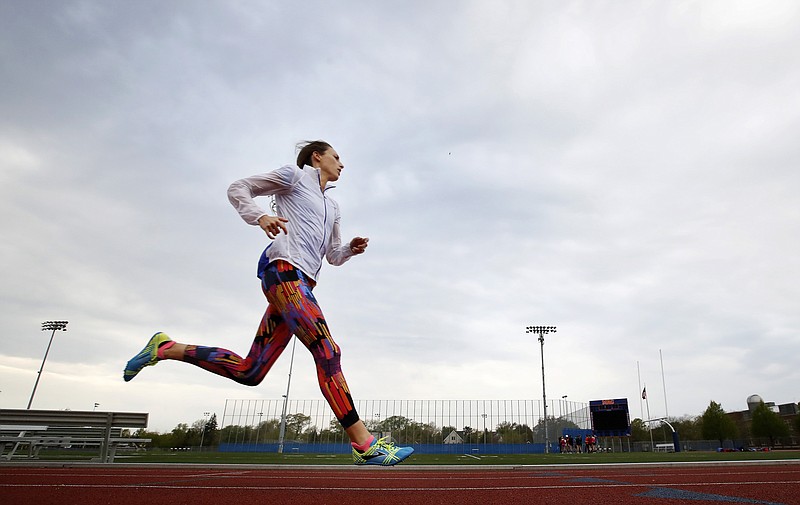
(313, 227)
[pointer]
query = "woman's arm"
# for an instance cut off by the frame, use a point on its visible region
(338, 253)
(241, 194)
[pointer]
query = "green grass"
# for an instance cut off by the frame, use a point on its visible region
(446, 459)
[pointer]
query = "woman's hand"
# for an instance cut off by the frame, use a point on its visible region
(272, 225)
(358, 245)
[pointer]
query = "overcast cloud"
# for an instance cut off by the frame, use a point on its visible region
(627, 171)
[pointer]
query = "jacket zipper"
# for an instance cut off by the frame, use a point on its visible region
(324, 227)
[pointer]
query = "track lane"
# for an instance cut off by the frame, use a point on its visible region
(778, 484)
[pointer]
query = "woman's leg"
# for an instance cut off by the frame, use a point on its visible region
(289, 290)
(292, 310)
(358, 433)
(271, 339)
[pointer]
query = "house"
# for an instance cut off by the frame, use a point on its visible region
(455, 437)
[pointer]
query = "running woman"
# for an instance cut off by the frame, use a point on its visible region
(304, 230)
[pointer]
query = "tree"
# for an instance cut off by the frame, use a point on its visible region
(160, 440)
(395, 423)
(716, 424)
(211, 425)
(447, 430)
(688, 427)
(235, 434)
(555, 428)
(181, 436)
(402, 429)
(797, 421)
(514, 433)
(296, 423)
(209, 431)
(424, 433)
(311, 435)
(333, 433)
(639, 431)
(768, 424)
(415, 433)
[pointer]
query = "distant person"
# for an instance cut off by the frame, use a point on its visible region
(304, 230)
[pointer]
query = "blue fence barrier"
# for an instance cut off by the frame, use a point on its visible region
(339, 448)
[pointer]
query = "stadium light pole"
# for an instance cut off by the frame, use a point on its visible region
(282, 433)
(203, 432)
(46, 326)
(258, 430)
(542, 331)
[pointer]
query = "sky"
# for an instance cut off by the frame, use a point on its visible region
(626, 171)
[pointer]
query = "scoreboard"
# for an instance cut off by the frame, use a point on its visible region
(610, 418)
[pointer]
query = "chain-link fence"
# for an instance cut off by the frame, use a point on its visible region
(432, 426)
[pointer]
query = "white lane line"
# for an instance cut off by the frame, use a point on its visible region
(594, 486)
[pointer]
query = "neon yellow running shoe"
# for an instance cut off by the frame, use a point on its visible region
(146, 357)
(381, 452)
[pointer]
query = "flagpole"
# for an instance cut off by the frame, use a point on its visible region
(649, 424)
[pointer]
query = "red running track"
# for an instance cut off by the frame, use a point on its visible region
(771, 483)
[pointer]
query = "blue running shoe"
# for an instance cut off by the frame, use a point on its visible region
(381, 452)
(146, 357)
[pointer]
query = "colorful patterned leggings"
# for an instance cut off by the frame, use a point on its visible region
(292, 310)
